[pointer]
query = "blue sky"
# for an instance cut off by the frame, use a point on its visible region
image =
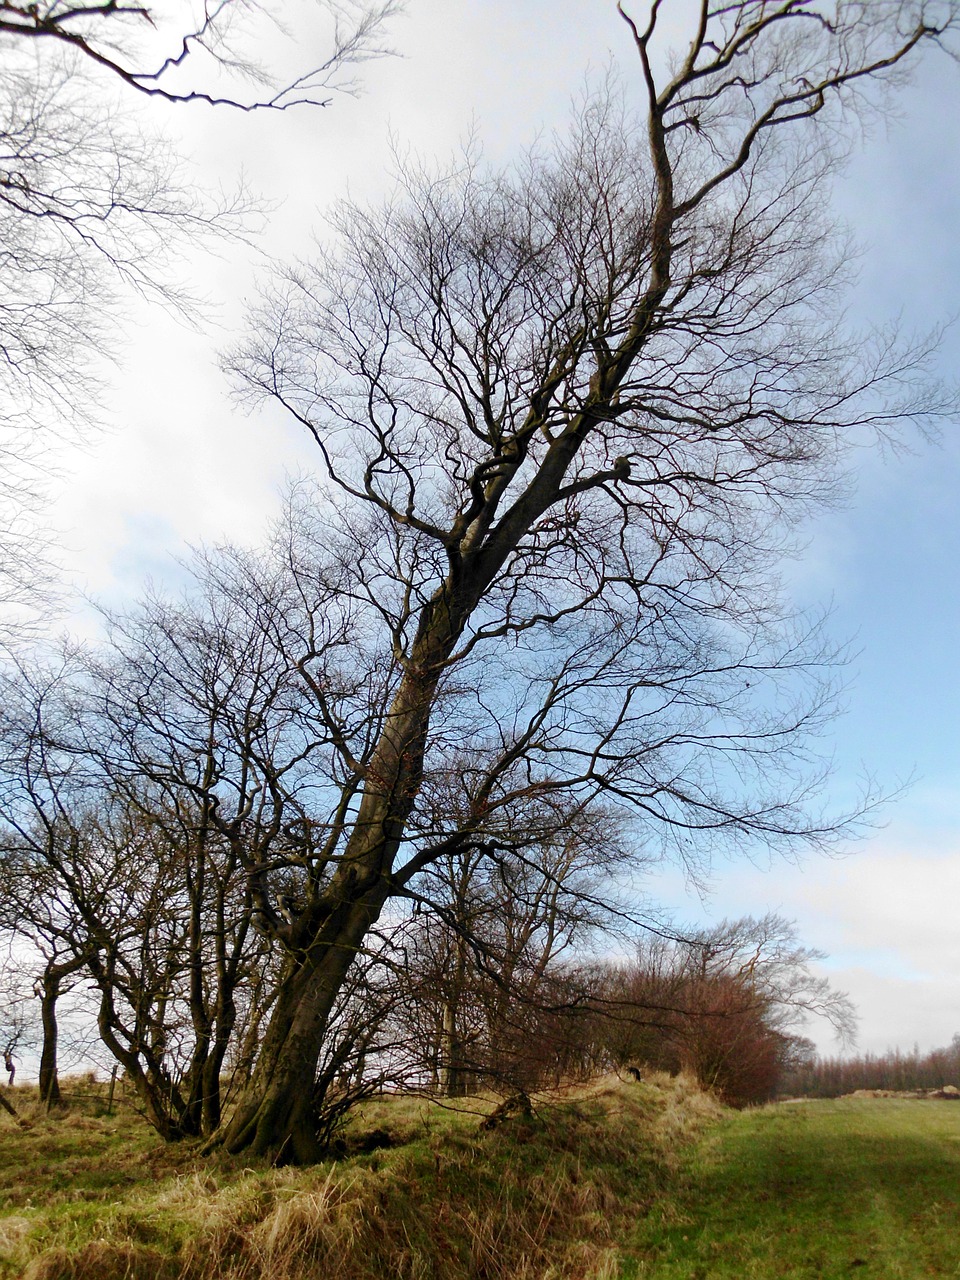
(181, 465)
(887, 915)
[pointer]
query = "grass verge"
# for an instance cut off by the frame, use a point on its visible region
(440, 1199)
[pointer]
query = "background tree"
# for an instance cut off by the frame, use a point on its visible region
(93, 891)
(495, 944)
(34, 913)
(570, 412)
(822, 1077)
(96, 207)
(725, 1004)
(124, 807)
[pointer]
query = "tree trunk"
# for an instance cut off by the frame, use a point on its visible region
(453, 1076)
(49, 1079)
(8, 1106)
(276, 1115)
(162, 1105)
(50, 990)
(212, 1068)
(453, 1080)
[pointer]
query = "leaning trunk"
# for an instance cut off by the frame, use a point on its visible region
(276, 1113)
(276, 1116)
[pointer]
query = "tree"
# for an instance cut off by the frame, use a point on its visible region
(34, 912)
(489, 996)
(566, 415)
(95, 207)
(88, 199)
(118, 866)
(110, 37)
(723, 1003)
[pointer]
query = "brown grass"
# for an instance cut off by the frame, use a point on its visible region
(536, 1199)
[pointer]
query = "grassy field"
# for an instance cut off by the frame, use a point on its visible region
(817, 1190)
(613, 1181)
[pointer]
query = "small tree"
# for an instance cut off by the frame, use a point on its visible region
(121, 859)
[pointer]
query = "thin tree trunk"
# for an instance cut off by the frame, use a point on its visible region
(453, 1078)
(50, 990)
(49, 1079)
(211, 1115)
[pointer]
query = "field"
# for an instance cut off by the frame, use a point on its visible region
(613, 1181)
(817, 1190)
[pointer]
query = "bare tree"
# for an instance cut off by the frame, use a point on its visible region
(34, 913)
(188, 58)
(726, 1004)
(496, 933)
(567, 414)
(119, 868)
(95, 207)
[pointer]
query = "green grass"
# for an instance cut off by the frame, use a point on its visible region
(610, 1181)
(816, 1190)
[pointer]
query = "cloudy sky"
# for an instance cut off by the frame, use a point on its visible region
(179, 464)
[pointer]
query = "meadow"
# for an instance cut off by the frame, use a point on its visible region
(608, 1181)
(820, 1190)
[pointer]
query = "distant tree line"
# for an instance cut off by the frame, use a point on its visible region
(818, 1077)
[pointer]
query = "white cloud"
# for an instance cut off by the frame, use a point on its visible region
(887, 919)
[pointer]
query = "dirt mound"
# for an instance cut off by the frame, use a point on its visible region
(949, 1092)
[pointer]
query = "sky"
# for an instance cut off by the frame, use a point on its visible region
(179, 463)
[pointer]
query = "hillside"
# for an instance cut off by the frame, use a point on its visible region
(552, 1194)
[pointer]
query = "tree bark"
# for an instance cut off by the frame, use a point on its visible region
(276, 1115)
(50, 990)
(49, 1080)
(453, 1077)
(8, 1106)
(453, 1080)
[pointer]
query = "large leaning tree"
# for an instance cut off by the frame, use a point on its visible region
(567, 414)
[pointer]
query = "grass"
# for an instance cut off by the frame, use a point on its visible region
(816, 1190)
(610, 1181)
(438, 1199)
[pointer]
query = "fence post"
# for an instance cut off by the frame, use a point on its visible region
(113, 1085)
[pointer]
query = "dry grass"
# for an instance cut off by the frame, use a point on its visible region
(535, 1199)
